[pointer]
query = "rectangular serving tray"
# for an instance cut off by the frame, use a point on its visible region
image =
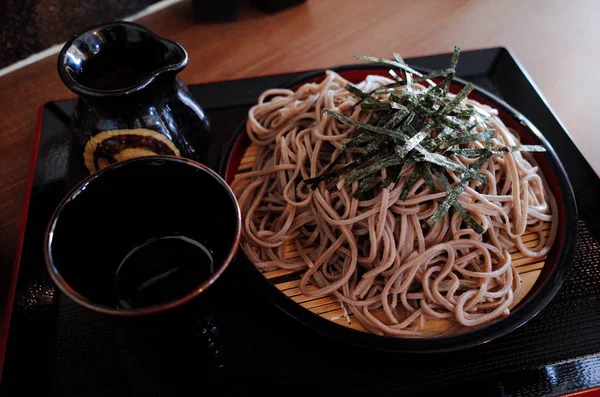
(52, 346)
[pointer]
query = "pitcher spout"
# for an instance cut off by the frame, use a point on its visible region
(118, 59)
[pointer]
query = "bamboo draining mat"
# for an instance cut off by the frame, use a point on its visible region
(330, 308)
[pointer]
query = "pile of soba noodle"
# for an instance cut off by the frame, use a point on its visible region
(379, 256)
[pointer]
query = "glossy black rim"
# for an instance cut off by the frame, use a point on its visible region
(546, 287)
(83, 90)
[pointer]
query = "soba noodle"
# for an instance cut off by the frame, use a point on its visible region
(378, 256)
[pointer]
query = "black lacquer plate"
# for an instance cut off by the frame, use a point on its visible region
(548, 283)
(247, 347)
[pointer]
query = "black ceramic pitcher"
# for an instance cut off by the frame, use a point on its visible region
(131, 102)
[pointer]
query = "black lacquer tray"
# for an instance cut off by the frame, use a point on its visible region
(247, 346)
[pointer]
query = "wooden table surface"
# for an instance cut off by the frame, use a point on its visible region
(555, 40)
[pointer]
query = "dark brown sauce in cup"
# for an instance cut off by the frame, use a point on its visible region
(162, 270)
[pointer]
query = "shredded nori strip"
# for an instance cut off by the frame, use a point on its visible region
(424, 127)
(393, 174)
(453, 63)
(439, 214)
(498, 150)
(374, 168)
(467, 218)
(450, 199)
(428, 177)
(364, 184)
(410, 182)
(368, 127)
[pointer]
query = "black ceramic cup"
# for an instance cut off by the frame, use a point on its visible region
(143, 237)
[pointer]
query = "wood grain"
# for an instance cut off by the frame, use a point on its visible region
(330, 308)
(555, 40)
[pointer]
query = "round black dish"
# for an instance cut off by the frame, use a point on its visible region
(547, 285)
(115, 211)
